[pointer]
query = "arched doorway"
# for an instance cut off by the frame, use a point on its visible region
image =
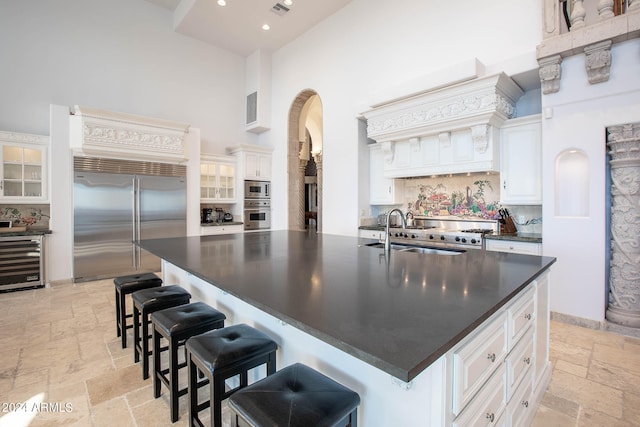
(305, 146)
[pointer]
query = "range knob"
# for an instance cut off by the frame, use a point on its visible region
(431, 236)
(458, 239)
(405, 235)
(474, 241)
(464, 240)
(441, 237)
(413, 236)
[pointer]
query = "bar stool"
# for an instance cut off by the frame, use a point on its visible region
(176, 325)
(222, 354)
(125, 285)
(145, 302)
(296, 396)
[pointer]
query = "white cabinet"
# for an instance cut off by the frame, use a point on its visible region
(254, 161)
(220, 229)
(383, 191)
(372, 234)
(23, 168)
(499, 373)
(513, 246)
(521, 161)
(217, 179)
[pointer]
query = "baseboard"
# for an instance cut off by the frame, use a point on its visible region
(597, 325)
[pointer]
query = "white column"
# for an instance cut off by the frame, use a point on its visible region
(577, 14)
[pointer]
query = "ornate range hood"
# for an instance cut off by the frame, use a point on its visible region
(448, 130)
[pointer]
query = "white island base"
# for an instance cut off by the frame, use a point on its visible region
(496, 376)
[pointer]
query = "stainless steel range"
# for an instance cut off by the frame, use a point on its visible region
(445, 233)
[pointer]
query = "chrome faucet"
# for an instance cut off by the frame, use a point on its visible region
(387, 240)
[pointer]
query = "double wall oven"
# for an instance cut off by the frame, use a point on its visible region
(257, 205)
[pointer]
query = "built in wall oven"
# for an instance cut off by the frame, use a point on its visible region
(257, 214)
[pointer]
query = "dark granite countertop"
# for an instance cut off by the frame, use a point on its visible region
(33, 232)
(517, 237)
(399, 312)
(219, 224)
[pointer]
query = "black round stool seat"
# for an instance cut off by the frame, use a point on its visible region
(125, 285)
(145, 302)
(296, 396)
(221, 354)
(176, 325)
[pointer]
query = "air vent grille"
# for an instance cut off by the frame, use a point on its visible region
(95, 164)
(279, 9)
(252, 107)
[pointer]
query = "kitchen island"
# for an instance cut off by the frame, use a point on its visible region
(390, 326)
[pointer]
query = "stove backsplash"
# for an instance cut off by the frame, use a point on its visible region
(475, 195)
(33, 216)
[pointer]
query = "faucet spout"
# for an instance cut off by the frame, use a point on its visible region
(387, 240)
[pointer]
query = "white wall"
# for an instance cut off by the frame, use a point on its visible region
(371, 45)
(120, 55)
(581, 113)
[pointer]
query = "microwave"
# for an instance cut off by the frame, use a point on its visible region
(257, 189)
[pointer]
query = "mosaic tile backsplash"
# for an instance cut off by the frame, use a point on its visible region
(470, 196)
(33, 216)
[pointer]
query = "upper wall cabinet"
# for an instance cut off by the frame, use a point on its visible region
(254, 161)
(23, 168)
(521, 161)
(217, 179)
(448, 130)
(111, 134)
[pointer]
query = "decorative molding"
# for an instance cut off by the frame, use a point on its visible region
(623, 143)
(550, 73)
(480, 136)
(598, 61)
(23, 138)
(489, 100)
(129, 136)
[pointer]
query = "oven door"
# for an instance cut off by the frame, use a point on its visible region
(255, 219)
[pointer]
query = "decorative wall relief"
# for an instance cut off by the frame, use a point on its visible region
(464, 196)
(33, 216)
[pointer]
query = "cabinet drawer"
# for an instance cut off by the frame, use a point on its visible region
(487, 408)
(371, 234)
(520, 407)
(521, 316)
(476, 359)
(512, 246)
(220, 229)
(519, 362)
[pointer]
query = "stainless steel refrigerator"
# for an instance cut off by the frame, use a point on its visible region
(116, 202)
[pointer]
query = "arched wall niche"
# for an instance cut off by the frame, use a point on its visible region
(572, 183)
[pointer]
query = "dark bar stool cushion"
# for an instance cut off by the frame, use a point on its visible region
(296, 396)
(221, 354)
(125, 285)
(176, 325)
(145, 302)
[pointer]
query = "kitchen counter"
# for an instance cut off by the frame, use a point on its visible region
(32, 232)
(398, 312)
(517, 237)
(220, 224)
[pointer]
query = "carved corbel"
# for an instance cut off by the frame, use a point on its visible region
(550, 73)
(445, 139)
(480, 137)
(598, 61)
(414, 144)
(387, 149)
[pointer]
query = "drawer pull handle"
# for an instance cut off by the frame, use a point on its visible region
(527, 360)
(525, 403)
(492, 357)
(527, 316)
(490, 416)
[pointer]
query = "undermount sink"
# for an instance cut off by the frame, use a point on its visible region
(417, 249)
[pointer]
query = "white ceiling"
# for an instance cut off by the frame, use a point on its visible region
(237, 27)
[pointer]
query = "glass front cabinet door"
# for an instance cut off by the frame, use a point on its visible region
(23, 169)
(217, 179)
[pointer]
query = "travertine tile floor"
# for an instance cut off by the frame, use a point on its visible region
(58, 347)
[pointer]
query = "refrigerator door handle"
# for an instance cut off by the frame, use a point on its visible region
(136, 222)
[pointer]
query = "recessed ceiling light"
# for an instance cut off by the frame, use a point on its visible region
(266, 27)
(222, 2)
(288, 2)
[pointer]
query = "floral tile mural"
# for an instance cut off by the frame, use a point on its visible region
(469, 196)
(33, 216)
